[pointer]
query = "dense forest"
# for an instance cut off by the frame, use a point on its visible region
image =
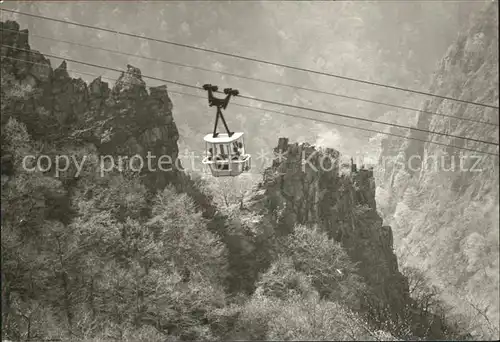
(280, 254)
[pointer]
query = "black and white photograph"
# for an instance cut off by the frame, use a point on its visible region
(249, 170)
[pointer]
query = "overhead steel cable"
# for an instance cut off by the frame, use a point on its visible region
(102, 67)
(272, 102)
(255, 79)
(283, 113)
(248, 58)
(367, 120)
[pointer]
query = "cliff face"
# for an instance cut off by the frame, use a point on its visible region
(442, 201)
(305, 186)
(122, 121)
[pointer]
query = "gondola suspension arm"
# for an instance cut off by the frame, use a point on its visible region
(220, 104)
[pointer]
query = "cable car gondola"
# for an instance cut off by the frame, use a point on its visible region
(226, 155)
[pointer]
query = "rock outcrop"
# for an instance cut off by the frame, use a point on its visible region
(125, 120)
(305, 185)
(122, 121)
(468, 72)
(441, 197)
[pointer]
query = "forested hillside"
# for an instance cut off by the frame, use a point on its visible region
(94, 253)
(442, 202)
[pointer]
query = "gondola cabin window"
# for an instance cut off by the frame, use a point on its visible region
(226, 156)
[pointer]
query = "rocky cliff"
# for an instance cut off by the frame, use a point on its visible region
(306, 185)
(124, 120)
(442, 201)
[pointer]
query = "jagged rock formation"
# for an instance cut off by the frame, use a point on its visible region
(469, 72)
(443, 198)
(304, 186)
(344, 205)
(123, 121)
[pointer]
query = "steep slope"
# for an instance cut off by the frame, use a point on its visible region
(123, 121)
(343, 205)
(442, 201)
(306, 186)
(90, 242)
(129, 119)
